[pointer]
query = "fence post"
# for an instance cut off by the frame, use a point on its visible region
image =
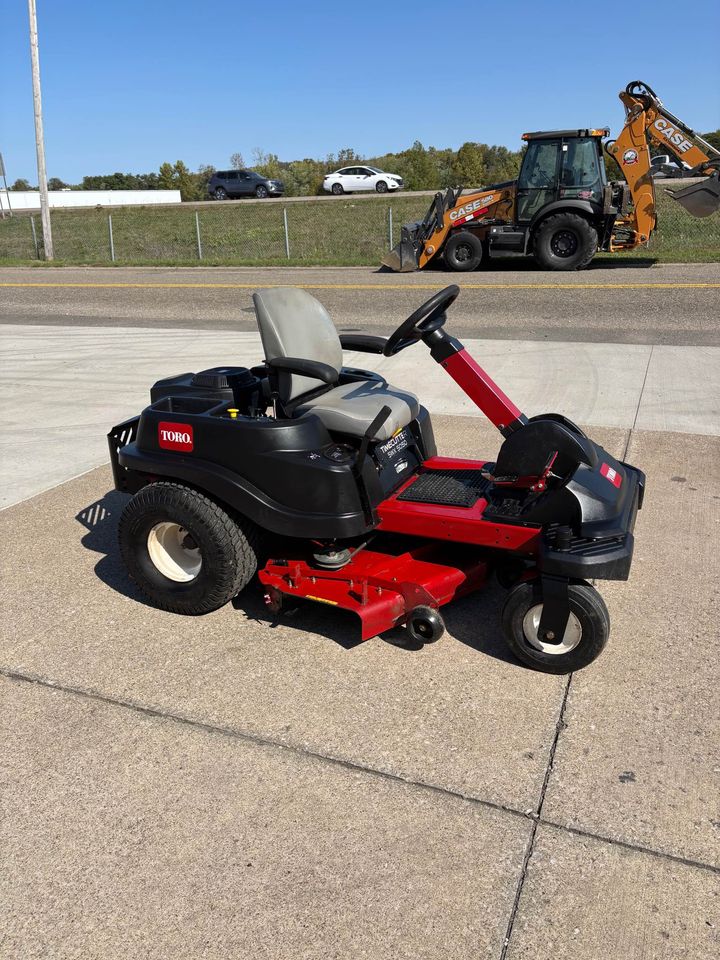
(35, 239)
(390, 227)
(110, 235)
(197, 234)
(287, 237)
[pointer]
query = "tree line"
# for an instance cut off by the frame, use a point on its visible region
(422, 168)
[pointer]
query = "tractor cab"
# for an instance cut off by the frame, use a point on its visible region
(560, 166)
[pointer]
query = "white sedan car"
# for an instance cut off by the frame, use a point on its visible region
(354, 179)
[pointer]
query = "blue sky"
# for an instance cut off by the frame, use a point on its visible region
(128, 85)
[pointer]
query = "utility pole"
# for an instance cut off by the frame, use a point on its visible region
(7, 192)
(39, 141)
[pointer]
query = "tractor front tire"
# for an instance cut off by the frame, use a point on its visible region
(463, 251)
(564, 241)
(185, 553)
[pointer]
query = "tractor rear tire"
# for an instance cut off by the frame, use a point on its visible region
(463, 251)
(564, 241)
(184, 551)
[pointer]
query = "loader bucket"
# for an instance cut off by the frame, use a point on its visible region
(402, 258)
(699, 199)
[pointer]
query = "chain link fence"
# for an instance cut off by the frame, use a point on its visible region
(347, 231)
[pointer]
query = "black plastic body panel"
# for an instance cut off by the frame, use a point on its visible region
(273, 471)
(604, 558)
(506, 239)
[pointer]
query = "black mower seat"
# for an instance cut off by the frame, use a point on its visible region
(293, 323)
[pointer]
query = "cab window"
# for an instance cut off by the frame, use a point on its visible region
(539, 164)
(581, 174)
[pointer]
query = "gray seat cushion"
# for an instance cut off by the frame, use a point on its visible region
(352, 407)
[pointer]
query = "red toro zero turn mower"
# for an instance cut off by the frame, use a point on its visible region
(341, 468)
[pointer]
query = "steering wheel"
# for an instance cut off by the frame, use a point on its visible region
(426, 319)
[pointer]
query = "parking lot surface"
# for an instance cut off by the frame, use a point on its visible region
(244, 785)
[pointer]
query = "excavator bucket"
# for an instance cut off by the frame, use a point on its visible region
(699, 199)
(402, 258)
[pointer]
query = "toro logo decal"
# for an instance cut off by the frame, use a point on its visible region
(175, 436)
(630, 156)
(612, 475)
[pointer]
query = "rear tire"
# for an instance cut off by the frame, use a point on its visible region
(337, 189)
(220, 193)
(185, 553)
(585, 637)
(463, 251)
(564, 241)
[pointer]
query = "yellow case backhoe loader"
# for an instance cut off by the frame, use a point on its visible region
(562, 209)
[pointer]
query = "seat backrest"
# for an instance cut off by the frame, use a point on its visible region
(293, 323)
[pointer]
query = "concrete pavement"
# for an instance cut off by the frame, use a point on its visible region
(235, 785)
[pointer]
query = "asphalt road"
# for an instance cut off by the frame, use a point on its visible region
(630, 303)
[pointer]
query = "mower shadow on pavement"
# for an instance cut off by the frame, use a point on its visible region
(471, 621)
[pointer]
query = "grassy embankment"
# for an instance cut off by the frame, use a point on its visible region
(350, 231)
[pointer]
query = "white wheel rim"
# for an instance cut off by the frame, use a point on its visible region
(172, 552)
(571, 637)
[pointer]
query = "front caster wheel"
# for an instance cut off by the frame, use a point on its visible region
(184, 551)
(425, 625)
(585, 636)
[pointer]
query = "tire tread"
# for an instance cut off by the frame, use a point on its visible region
(242, 537)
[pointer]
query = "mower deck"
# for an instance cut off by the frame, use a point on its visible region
(380, 585)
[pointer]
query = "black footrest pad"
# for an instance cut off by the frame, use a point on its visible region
(451, 488)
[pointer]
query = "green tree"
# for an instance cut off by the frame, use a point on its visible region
(303, 178)
(468, 168)
(186, 182)
(22, 185)
(55, 183)
(713, 138)
(266, 164)
(166, 178)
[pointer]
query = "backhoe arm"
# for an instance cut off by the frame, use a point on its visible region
(646, 119)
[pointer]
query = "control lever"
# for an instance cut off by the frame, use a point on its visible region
(368, 436)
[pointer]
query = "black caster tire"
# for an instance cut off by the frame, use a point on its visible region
(425, 625)
(185, 553)
(585, 637)
(463, 251)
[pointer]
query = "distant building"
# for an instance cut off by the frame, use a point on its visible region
(30, 199)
